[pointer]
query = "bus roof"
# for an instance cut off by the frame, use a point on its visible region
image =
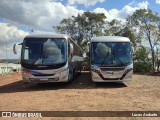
(47, 35)
(110, 39)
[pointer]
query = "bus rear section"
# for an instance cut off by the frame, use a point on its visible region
(45, 58)
(111, 59)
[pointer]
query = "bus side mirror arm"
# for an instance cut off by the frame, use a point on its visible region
(87, 50)
(133, 50)
(88, 47)
(14, 47)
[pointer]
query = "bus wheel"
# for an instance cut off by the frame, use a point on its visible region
(71, 75)
(79, 71)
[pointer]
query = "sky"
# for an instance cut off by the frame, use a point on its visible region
(19, 17)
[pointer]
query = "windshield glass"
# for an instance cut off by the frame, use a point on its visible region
(44, 51)
(111, 53)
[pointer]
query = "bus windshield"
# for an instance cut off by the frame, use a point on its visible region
(44, 51)
(111, 53)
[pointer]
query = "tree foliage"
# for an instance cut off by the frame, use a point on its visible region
(142, 64)
(147, 23)
(82, 26)
(141, 55)
(113, 27)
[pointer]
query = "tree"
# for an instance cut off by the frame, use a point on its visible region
(141, 54)
(67, 26)
(141, 61)
(147, 23)
(95, 23)
(112, 28)
(82, 26)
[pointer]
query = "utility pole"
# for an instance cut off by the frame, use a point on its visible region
(6, 57)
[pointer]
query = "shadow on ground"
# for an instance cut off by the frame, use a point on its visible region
(82, 81)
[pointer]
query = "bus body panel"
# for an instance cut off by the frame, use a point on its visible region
(39, 76)
(113, 67)
(112, 75)
(64, 73)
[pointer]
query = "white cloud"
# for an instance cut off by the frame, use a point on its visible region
(42, 15)
(158, 1)
(123, 13)
(85, 2)
(9, 35)
(143, 5)
(111, 14)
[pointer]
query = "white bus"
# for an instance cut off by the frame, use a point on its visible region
(49, 58)
(111, 59)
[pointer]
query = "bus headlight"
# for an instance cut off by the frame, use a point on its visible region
(94, 67)
(26, 71)
(63, 73)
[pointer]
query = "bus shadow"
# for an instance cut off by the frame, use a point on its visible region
(110, 85)
(82, 81)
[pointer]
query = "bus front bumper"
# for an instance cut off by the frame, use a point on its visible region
(97, 78)
(57, 77)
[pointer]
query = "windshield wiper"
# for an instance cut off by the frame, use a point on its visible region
(121, 61)
(104, 59)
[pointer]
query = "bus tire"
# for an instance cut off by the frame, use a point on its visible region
(71, 75)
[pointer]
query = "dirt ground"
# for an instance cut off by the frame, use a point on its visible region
(140, 94)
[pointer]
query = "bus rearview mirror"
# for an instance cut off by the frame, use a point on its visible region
(14, 47)
(71, 48)
(87, 47)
